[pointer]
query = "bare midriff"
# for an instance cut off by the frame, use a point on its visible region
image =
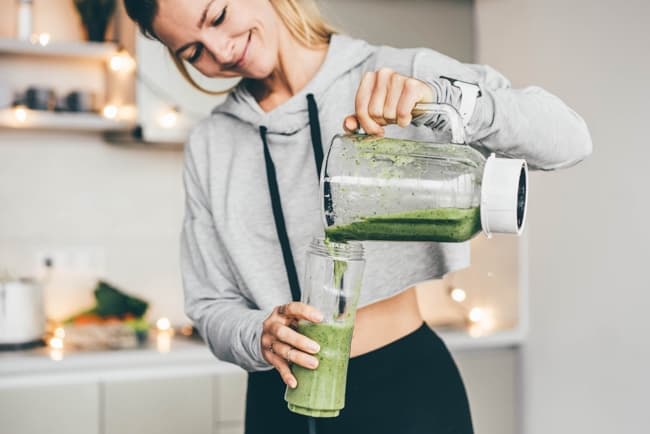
(385, 321)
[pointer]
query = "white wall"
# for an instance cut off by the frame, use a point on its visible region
(587, 355)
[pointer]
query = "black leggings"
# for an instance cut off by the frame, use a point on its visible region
(411, 386)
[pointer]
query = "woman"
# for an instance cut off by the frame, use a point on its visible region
(253, 199)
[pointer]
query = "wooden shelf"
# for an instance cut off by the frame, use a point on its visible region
(70, 49)
(459, 340)
(60, 121)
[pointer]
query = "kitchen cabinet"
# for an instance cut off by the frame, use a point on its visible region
(52, 409)
(230, 394)
(161, 406)
(230, 405)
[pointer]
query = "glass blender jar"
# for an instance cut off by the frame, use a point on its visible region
(333, 282)
(377, 188)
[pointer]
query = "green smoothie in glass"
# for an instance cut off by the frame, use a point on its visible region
(321, 392)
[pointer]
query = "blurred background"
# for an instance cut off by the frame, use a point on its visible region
(549, 330)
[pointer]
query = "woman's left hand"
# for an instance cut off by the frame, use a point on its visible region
(385, 97)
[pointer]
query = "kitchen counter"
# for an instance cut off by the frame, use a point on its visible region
(44, 365)
(181, 357)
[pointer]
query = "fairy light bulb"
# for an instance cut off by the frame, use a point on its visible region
(110, 111)
(20, 113)
(458, 295)
(168, 119)
(44, 39)
(121, 62)
(163, 324)
(59, 332)
(476, 314)
(56, 343)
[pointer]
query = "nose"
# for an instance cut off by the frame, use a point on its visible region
(221, 49)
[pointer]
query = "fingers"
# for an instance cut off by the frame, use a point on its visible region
(285, 334)
(378, 97)
(393, 97)
(351, 124)
(282, 366)
(386, 97)
(409, 97)
(282, 345)
(300, 310)
(293, 355)
(361, 101)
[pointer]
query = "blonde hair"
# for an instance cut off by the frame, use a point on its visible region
(304, 22)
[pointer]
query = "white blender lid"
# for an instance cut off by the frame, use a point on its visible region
(504, 194)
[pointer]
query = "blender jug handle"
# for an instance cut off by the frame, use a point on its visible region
(455, 121)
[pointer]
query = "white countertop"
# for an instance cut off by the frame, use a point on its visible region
(184, 357)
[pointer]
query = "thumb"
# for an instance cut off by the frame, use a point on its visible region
(351, 123)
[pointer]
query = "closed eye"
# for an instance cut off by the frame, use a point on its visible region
(220, 18)
(196, 55)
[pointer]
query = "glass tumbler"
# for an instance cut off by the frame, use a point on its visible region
(333, 282)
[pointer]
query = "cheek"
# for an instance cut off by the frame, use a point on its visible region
(263, 57)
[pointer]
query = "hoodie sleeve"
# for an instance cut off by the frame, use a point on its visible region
(528, 123)
(226, 321)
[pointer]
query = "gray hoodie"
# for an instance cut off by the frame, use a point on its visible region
(232, 265)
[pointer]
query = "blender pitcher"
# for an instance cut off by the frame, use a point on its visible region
(333, 282)
(378, 188)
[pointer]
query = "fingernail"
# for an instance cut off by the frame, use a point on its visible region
(293, 383)
(313, 363)
(317, 317)
(314, 347)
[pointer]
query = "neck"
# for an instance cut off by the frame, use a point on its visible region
(296, 66)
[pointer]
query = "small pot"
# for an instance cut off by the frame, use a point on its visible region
(40, 98)
(79, 101)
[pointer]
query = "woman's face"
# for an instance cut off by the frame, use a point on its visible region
(221, 38)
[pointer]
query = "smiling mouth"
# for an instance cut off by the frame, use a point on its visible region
(241, 60)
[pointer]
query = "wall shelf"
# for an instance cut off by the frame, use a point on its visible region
(70, 49)
(463, 341)
(61, 121)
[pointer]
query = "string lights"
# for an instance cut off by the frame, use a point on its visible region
(42, 39)
(20, 113)
(121, 62)
(479, 320)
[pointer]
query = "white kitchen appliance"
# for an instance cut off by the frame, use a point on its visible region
(22, 316)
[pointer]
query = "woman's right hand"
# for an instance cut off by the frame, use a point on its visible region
(282, 345)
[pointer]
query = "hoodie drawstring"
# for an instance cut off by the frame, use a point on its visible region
(278, 216)
(314, 126)
(274, 191)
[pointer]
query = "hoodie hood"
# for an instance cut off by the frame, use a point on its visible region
(344, 54)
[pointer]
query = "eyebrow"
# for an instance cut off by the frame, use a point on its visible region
(204, 15)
